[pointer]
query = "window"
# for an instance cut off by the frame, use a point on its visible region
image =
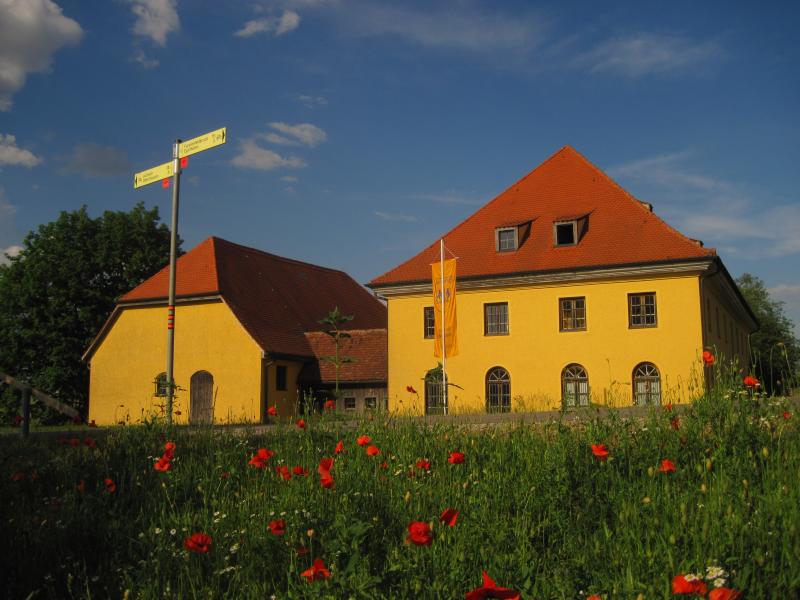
(280, 378)
(566, 233)
(349, 403)
(370, 403)
(506, 239)
(572, 314)
(495, 318)
(646, 385)
(574, 386)
(161, 385)
(427, 322)
(642, 310)
(498, 390)
(434, 392)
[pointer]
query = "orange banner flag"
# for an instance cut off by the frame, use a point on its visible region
(448, 292)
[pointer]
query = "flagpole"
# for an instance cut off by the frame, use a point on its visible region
(444, 353)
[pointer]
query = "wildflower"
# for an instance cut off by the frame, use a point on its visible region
(169, 449)
(299, 471)
(283, 471)
(708, 358)
(456, 458)
(675, 423)
(723, 593)
(90, 443)
(667, 466)
(449, 516)
(324, 470)
(490, 589)
(81, 487)
(419, 534)
(750, 382)
(316, 572)
(260, 458)
(423, 464)
(74, 442)
(301, 423)
(111, 487)
(363, 440)
(198, 542)
(600, 452)
(339, 447)
(272, 411)
(688, 584)
(18, 476)
(594, 597)
(410, 389)
(18, 420)
(372, 451)
(668, 407)
(330, 405)
(277, 527)
(76, 420)
(163, 464)
(787, 415)
(302, 550)
(224, 475)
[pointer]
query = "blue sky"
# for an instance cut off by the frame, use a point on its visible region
(359, 131)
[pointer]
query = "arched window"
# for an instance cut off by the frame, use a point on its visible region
(498, 390)
(574, 386)
(434, 392)
(161, 385)
(646, 384)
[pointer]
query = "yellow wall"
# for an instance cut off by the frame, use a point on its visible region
(723, 333)
(286, 401)
(535, 351)
(207, 337)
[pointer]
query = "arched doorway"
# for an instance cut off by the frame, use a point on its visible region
(201, 398)
(434, 392)
(498, 390)
(646, 385)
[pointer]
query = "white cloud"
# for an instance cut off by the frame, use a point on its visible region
(31, 31)
(644, 53)
(665, 169)
(302, 133)
(789, 294)
(11, 154)
(448, 197)
(274, 138)
(312, 101)
(145, 61)
(252, 156)
(289, 178)
(288, 21)
(384, 216)
(92, 160)
(7, 253)
(8, 230)
(155, 19)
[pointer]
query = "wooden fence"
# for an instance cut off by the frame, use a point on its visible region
(27, 391)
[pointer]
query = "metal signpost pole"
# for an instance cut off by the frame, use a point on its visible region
(173, 251)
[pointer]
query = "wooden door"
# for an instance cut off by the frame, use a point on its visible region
(201, 398)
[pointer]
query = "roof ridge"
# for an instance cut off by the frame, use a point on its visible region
(277, 256)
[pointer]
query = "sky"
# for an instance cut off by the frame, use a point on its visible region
(361, 131)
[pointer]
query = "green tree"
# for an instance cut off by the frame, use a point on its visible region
(334, 322)
(58, 291)
(775, 351)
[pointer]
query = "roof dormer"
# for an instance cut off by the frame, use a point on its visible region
(508, 237)
(569, 231)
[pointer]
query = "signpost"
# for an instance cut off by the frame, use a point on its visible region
(159, 173)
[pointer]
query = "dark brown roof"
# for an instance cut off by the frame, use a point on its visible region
(368, 348)
(276, 299)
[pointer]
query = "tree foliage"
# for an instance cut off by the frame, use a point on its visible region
(334, 323)
(57, 292)
(775, 351)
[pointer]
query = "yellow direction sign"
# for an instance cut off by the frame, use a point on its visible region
(152, 175)
(202, 142)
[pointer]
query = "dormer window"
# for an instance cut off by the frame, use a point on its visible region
(570, 231)
(508, 237)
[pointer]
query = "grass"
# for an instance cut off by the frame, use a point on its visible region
(536, 510)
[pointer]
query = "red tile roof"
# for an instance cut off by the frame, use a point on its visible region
(621, 229)
(369, 348)
(276, 299)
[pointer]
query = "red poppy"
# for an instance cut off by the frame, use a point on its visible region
(325, 464)
(74, 442)
(594, 597)
(111, 487)
(423, 464)
(76, 420)
(681, 585)
(787, 415)
(363, 440)
(224, 475)
(302, 550)
(272, 411)
(90, 443)
(330, 405)
(316, 572)
(18, 420)
(668, 407)
(277, 527)
(372, 451)
(667, 466)
(283, 471)
(81, 487)
(260, 458)
(419, 534)
(600, 452)
(384, 465)
(324, 470)
(163, 464)
(675, 423)
(198, 542)
(301, 423)
(449, 517)
(18, 476)
(724, 594)
(456, 458)
(92, 423)
(339, 447)
(708, 358)
(410, 389)
(750, 381)
(169, 448)
(299, 471)
(490, 589)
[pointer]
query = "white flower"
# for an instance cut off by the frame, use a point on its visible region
(157, 530)
(173, 531)
(719, 582)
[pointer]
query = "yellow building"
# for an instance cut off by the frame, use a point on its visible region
(247, 336)
(570, 291)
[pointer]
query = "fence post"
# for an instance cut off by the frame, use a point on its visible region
(26, 411)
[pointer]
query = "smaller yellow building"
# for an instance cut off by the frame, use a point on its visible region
(570, 291)
(246, 327)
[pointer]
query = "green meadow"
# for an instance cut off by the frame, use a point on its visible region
(537, 510)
